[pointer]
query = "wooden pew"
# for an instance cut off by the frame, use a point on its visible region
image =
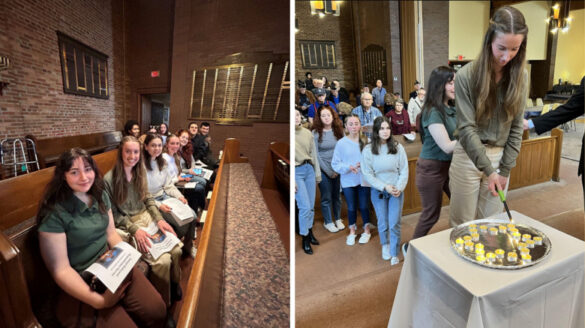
(202, 297)
(48, 150)
(275, 188)
(28, 290)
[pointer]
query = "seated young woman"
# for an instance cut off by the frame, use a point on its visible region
(195, 196)
(134, 208)
(163, 131)
(161, 187)
(76, 227)
(186, 159)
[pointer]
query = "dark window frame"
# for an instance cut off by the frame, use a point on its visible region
(80, 76)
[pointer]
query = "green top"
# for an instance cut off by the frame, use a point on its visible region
(84, 226)
(132, 206)
(430, 149)
(495, 131)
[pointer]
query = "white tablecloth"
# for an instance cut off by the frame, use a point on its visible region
(437, 288)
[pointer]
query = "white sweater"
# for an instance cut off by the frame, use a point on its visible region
(161, 182)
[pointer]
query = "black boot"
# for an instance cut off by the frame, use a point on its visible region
(307, 245)
(312, 238)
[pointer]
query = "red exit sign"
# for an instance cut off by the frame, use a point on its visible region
(154, 73)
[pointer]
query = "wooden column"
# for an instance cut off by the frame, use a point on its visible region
(407, 46)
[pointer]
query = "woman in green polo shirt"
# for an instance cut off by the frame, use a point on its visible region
(437, 124)
(491, 93)
(76, 227)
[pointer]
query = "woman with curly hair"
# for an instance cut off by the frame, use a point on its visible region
(327, 129)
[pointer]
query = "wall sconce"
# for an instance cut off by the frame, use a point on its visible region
(325, 7)
(559, 17)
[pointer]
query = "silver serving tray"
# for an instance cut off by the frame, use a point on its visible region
(502, 241)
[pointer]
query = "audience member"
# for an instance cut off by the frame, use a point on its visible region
(309, 81)
(491, 97)
(385, 168)
(307, 174)
(414, 92)
(161, 187)
(366, 113)
(363, 90)
(134, 209)
(195, 196)
(131, 128)
(202, 146)
(399, 119)
(303, 98)
(378, 93)
(326, 84)
(334, 95)
(320, 93)
(415, 106)
(193, 130)
(163, 131)
(76, 228)
(346, 161)
(187, 161)
(343, 94)
(327, 129)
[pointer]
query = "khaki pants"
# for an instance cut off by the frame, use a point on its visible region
(164, 269)
(470, 196)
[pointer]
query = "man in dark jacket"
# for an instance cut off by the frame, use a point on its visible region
(201, 146)
(572, 109)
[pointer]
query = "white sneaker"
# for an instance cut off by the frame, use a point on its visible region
(364, 238)
(339, 224)
(371, 225)
(386, 252)
(350, 240)
(193, 252)
(394, 260)
(331, 227)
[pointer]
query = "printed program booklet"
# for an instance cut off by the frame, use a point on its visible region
(160, 242)
(112, 268)
(181, 213)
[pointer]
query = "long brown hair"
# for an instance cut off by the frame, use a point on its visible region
(377, 141)
(336, 124)
(435, 97)
(176, 154)
(505, 20)
(119, 176)
(58, 189)
(160, 161)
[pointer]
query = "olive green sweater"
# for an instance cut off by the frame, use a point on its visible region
(495, 132)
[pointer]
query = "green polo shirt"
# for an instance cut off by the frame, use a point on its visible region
(85, 228)
(430, 149)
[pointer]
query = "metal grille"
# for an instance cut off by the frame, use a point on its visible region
(374, 64)
(258, 92)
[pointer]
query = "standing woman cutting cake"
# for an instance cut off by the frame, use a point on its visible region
(491, 93)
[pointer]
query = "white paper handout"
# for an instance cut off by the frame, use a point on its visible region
(190, 185)
(160, 242)
(114, 265)
(181, 213)
(205, 173)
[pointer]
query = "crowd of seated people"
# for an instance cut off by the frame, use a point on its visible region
(82, 215)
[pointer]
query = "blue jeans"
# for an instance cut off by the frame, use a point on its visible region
(355, 197)
(305, 196)
(389, 212)
(330, 197)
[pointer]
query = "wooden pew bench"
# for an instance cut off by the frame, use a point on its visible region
(212, 275)
(27, 289)
(48, 150)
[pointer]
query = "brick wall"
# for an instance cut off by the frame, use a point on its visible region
(34, 102)
(206, 32)
(330, 28)
(435, 35)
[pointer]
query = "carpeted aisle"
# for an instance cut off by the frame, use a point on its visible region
(256, 268)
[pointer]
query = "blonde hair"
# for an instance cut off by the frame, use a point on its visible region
(506, 20)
